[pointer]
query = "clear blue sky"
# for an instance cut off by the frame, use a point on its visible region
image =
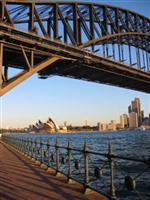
(71, 100)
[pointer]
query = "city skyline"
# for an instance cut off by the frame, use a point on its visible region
(86, 122)
(70, 100)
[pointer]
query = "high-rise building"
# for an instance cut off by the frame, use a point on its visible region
(124, 121)
(129, 109)
(99, 126)
(133, 120)
(142, 116)
(136, 107)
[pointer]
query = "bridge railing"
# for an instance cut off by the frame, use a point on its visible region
(116, 177)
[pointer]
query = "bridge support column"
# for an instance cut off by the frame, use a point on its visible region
(1, 11)
(1, 64)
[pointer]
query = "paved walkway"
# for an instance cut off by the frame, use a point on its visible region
(21, 179)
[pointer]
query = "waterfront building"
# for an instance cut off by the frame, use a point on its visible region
(133, 120)
(99, 126)
(112, 125)
(129, 109)
(136, 107)
(142, 115)
(103, 127)
(48, 127)
(124, 121)
(118, 126)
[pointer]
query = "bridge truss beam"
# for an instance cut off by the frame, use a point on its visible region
(94, 42)
(30, 68)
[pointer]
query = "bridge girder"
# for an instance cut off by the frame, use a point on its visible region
(92, 40)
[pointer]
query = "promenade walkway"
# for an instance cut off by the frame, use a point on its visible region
(21, 179)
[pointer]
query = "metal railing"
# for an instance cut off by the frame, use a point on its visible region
(95, 170)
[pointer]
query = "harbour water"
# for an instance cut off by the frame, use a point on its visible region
(131, 144)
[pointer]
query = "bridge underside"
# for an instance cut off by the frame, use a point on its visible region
(97, 72)
(92, 42)
(47, 58)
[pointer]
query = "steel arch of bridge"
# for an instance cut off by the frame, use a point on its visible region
(88, 41)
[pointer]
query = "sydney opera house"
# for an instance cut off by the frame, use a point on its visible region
(48, 127)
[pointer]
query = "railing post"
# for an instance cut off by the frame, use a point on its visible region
(69, 179)
(21, 149)
(22, 146)
(35, 151)
(41, 145)
(86, 169)
(17, 139)
(48, 149)
(57, 157)
(111, 165)
(31, 148)
(28, 147)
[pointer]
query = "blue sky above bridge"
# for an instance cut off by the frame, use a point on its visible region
(71, 100)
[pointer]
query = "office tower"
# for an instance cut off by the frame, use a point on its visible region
(136, 107)
(133, 120)
(142, 116)
(124, 121)
(99, 126)
(129, 109)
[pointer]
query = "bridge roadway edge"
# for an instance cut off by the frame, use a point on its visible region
(21, 178)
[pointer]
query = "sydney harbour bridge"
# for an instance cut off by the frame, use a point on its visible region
(86, 41)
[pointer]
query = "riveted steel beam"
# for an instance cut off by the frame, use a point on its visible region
(31, 17)
(85, 33)
(1, 64)
(2, 10)
(26, 74)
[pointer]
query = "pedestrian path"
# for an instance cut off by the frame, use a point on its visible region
(21, 179)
